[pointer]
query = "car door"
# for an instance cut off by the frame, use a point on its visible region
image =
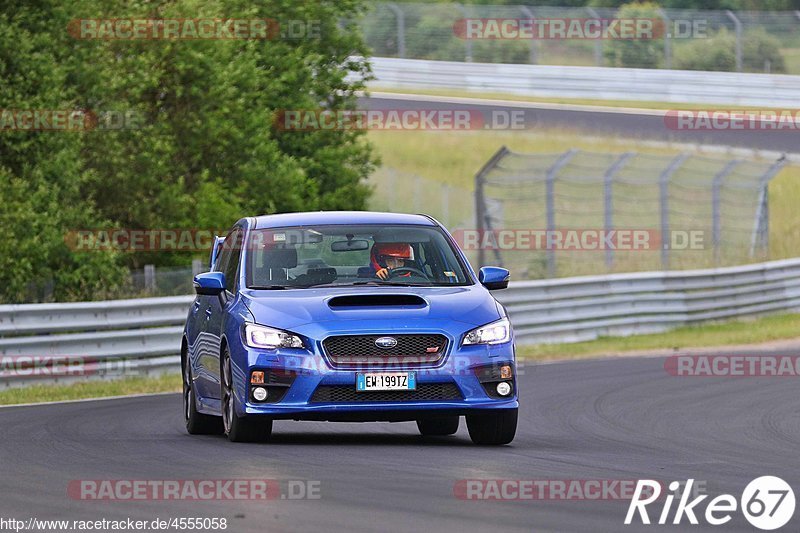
(217, 308)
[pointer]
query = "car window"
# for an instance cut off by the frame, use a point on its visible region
(300, 257)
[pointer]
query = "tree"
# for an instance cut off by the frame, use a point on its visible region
(204, 150)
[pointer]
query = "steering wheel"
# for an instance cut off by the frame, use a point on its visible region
(399, 271)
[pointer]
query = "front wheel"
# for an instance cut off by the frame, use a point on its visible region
(438, 426)
(239, 429)
(493, 428)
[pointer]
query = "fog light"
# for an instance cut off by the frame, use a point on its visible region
(260, 394)
(505, 372)
(257, 377)
(503, 388)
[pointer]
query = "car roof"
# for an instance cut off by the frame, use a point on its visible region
(314, 218)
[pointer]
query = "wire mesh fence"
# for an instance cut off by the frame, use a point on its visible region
(574, 213)
(749, 41)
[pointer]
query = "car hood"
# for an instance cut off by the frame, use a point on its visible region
(434, 306)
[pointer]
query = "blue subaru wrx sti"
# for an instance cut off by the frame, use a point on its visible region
(347, 316)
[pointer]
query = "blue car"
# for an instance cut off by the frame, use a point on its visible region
(347, 316)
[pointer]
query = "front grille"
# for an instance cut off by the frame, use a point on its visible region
(355, 349)
(424, 392)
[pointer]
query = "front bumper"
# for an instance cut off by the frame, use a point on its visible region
(310, 371)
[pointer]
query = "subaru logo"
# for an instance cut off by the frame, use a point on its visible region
(386, 342)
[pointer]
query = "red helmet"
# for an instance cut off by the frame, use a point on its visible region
(382, 250)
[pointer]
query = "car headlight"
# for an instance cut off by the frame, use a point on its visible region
(495, 333)
(257, 336)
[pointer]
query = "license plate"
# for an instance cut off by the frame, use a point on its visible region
(386, 381)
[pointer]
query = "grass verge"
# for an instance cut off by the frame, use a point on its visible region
(91, 389)
(724, 334)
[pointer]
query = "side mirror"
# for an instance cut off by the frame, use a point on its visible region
(494, 277)
(209, 283)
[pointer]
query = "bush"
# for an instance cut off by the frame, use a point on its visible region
(636, 53)
(718, 52)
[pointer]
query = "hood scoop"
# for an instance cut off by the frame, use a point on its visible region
(376, 300)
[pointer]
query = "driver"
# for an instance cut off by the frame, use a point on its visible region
(388, 256)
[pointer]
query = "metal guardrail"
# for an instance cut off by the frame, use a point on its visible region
(73, 341)
(105, 338)
(674, 86)
(588, 307)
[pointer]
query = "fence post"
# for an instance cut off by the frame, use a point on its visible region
(417, 193)
(150, 278)
(390, 178)
(663, 181)
(401, 28)
(760, 236)
(532, 42)
(667, 38)
(608, 199)
(197, 267)
(598, 44)
(550, 183)
(716, 222)
(738, 26)
(467, 42)
(446, 204)
(481, 221)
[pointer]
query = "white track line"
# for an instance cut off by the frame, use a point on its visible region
(518, 103)
(82, 400)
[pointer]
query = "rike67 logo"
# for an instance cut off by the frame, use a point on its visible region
(767, 503)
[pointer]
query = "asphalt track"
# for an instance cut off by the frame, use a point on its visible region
(620, 419)
(618, 123)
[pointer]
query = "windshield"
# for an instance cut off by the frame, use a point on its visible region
(344, 255)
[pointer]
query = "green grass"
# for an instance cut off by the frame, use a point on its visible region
(91, 389)
(733, 333)
(454, 157)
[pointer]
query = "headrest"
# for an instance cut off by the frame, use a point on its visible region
(280, 258)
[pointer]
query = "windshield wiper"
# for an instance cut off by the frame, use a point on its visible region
(267, 287)
(391, 283)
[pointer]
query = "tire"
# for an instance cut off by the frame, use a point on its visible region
(439, 426)
(197, 423)
(239, 429)
(493, 428)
